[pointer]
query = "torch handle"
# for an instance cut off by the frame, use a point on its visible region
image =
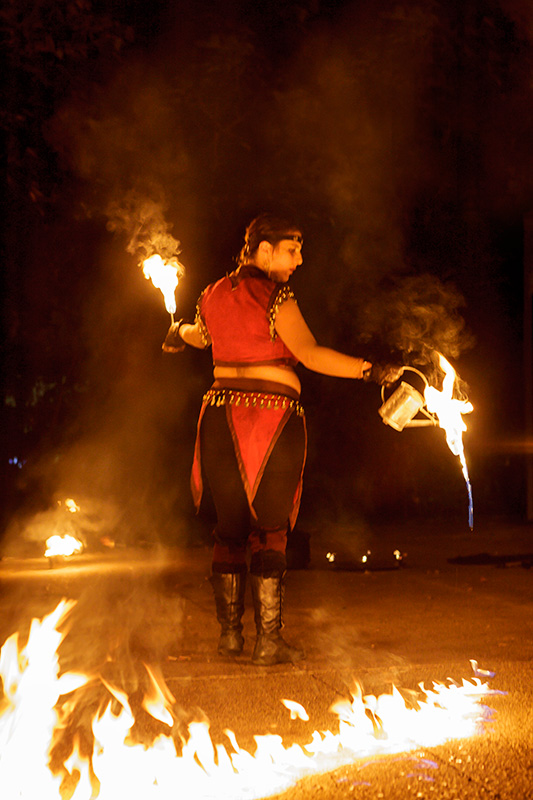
(172, 318)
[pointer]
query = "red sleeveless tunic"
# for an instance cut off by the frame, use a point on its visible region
(237, 316)
(238, 313)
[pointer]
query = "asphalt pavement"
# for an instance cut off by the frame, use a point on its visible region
(390, 605)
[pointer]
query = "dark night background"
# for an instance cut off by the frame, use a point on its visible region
(399, 133)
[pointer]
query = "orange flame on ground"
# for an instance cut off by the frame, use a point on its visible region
(62, 546)
(31, 724)
(165, 276)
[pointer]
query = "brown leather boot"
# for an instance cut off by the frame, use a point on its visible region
(229, 590)
(270, 647)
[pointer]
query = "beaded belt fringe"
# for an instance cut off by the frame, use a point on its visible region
(219, 397)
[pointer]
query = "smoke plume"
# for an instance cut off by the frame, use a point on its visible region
(417, 316)
(123, 141)
(143, 221)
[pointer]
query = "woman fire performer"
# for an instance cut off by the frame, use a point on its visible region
(251, 441)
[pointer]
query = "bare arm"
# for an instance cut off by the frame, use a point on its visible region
(292, 328)
(191, 334)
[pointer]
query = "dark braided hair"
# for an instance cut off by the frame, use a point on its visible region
(267, 228)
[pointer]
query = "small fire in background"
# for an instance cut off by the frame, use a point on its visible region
(38, 760)
(64, 544)
(449, 411)
(68, 526)
(165, 275)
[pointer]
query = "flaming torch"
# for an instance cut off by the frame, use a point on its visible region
(165, 275)
(449, 410)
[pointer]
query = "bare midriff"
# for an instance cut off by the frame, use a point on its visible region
(284, 375)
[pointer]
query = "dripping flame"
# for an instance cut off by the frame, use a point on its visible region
(449, 410)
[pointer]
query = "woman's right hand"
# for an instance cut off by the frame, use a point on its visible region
(173, 342)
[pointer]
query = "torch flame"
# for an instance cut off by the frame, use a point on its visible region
(34, 721)
(449, 410)
(165, 275)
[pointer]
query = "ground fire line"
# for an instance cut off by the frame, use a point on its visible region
(105, 758)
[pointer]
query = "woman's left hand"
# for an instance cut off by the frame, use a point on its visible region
(383, 374)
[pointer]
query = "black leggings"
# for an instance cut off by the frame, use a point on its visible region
(273, 501)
